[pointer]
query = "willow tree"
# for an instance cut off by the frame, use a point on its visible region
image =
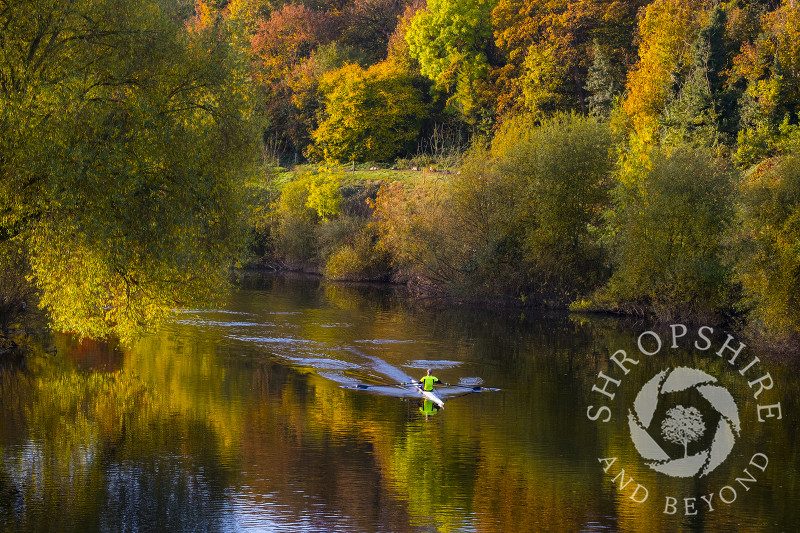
(123, 129)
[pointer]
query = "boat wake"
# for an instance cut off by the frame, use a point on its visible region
(347, 365)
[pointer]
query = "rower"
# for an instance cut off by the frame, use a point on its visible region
(428, 381)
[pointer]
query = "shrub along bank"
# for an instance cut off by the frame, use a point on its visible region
(553, 213)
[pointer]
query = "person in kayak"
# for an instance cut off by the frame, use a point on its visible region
(428, 381)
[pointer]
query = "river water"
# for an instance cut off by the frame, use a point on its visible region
(250, 418)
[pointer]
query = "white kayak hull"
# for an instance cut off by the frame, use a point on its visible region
(430, 395)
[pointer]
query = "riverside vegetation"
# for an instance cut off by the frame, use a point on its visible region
(638, 157)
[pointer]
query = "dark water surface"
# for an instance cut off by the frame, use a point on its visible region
(246, 419)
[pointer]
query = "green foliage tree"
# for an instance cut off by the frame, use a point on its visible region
(306, 216)
(99, 101)
(369, 115)
(769, 66)
(602, 83)
(296, 222)
(562, 168)
(450, 39)
(768, 264)
(702, 109)
(668, 226)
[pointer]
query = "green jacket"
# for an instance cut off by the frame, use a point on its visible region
(428, 381)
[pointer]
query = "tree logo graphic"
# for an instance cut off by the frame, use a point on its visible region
(683, 425)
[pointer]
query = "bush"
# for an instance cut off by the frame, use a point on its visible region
(323, 221)
(520, 217)
(360, 259)
(412, 228)
(768, 264)
(296, 222)
(668, 224)
(561, 170)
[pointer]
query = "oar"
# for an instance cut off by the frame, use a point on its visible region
(365, 386)
(475, 388)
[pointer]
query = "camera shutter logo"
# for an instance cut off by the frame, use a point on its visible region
(683, 424)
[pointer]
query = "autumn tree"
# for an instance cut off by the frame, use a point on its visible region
(250, 13)
(668, 222)
(548, 49)
(373, 114)
(99, 101)
(701, 107)
(297, 44)
(562, 170)
(368, 25)
(287, 84)
(520, 218)
(769, 66)
(667, 29)
(768, 259)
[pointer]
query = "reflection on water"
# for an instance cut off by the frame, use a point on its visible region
(247, 418)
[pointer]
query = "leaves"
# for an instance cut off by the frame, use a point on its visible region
(666, 30)
(770, 68)
(450, 40)
(370, 115)
(769, 245)
(123, 223)
(668, 224)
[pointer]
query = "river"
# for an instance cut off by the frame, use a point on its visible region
(250, 418)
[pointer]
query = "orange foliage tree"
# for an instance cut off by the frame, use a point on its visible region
(548, 48)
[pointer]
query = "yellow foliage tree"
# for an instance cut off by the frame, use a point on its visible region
(770, 66)
(667, 30)
(369, 114)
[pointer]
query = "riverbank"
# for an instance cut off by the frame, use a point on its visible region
(545, 216)
(10, 353)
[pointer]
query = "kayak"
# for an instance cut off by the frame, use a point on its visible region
(430, 395)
